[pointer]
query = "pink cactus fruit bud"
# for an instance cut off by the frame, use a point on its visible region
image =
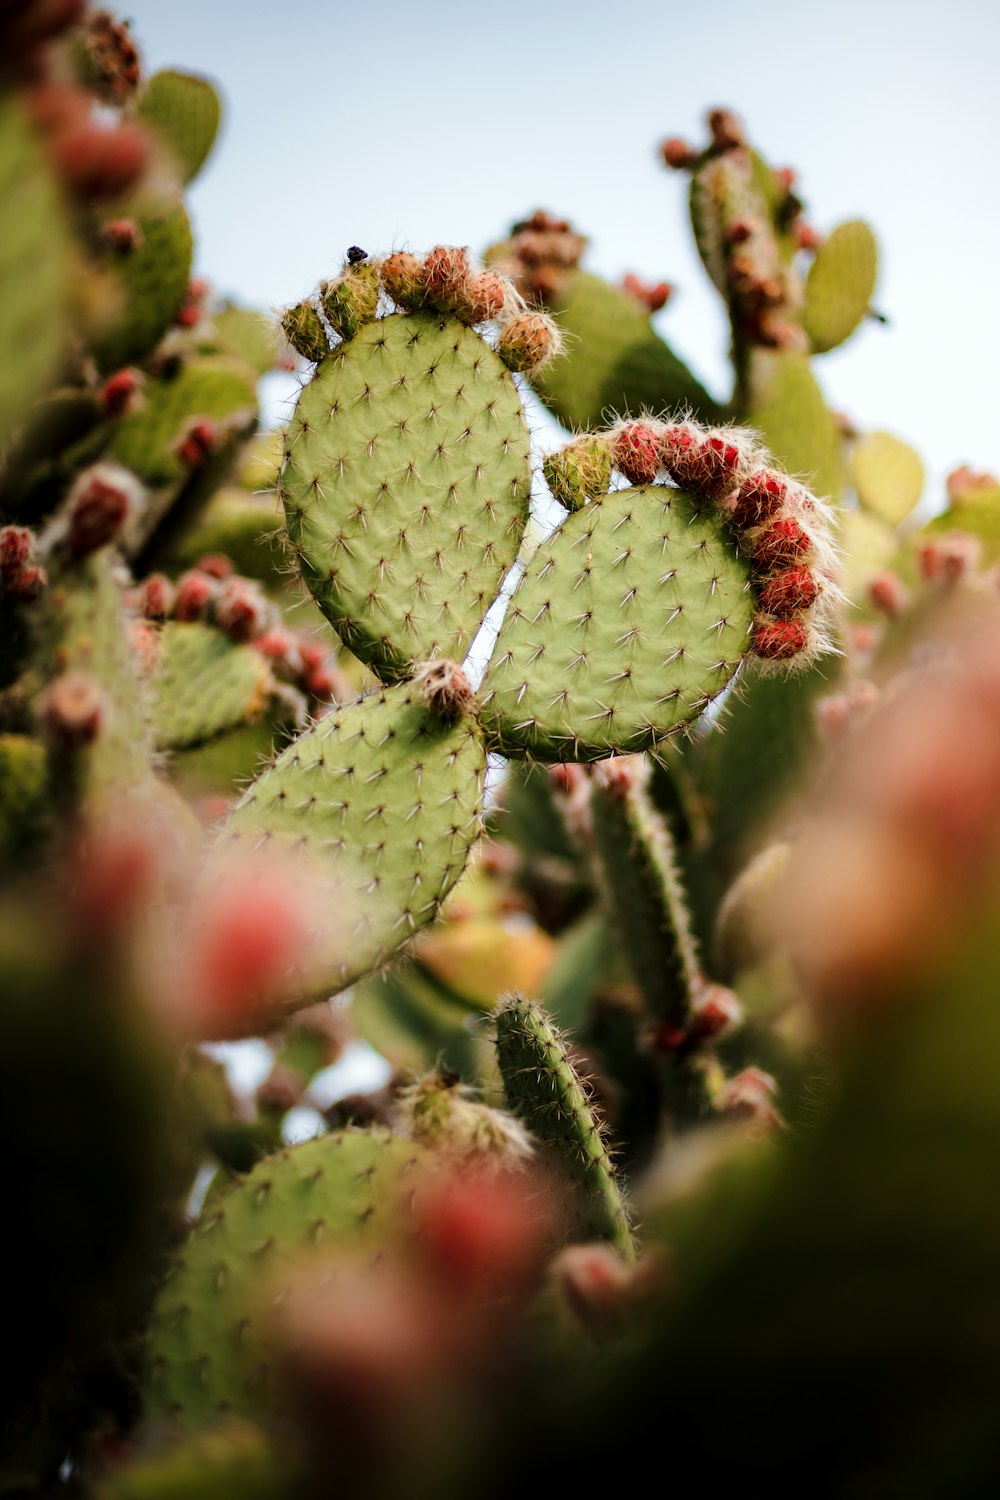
(617, 776)
(446, 689)
(783, 543)
(16, 547)
(726, 130)
(98, 164)
(240, 610)
(839, 712)
(446, 272)
(326, 684)
(215, 564)
(636, 452)
(99, 504)
(73, 710)
(483, 1228)
(716, 1009)
(122, 235)
(404, 278)
(965, 484)
(738, 231)
(677, 154)
(113, 56)
(528, 341)
(119, 393)
(806, 237)
(888, 594)
(481, 298)
(721, 466)
(595, 1281)
(789, 593)
(786, 178)
(652, 296)
(28, 584)
(157, 597)
(948, 558)
(195, 592)
(679, 444)
(198, 443)
(749, 1095)
(566, 778)
(779, 640)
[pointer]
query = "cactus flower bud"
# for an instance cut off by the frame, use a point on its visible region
(528, 341)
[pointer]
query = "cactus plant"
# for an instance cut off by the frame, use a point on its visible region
(263, 773)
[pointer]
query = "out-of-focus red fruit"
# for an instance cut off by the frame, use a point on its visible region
(483, 1228)
(97, 163)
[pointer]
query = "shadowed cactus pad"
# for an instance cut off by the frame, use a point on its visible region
(385, 794)
(628, 621)
(203, 684)
(208, 1351)
(406, 487)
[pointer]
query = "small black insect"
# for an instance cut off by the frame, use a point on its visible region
(355, 255)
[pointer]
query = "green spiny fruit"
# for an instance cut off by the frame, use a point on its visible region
(628, 621)
(304, 330)
(352, 300)
(208, 1352)
(544, 1090)
(406, 487)
(149, 270)
(386, 796)
(579, 472)
(840, 284)
(33, 269)
(184, 111)
(202, 684)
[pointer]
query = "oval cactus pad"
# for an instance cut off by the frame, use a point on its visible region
(406, 486)
(628, 621)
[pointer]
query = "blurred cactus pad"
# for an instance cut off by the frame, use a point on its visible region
(497, 946)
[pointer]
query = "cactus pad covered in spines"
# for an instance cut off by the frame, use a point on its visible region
(406, 487)
(202, 684)
(386, 795)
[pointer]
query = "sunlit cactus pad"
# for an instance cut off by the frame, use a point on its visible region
(208, 1349)
(385, 795)
(627, 623)
(406, 487)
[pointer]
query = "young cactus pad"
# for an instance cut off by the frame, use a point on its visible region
(207, 1352)
(386, 795)
(406, 485)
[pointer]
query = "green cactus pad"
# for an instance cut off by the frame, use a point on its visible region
(208, 1350)
(202, 685)
(33, 269)
(628, 621)
(146, 441)
(840, 284)
(390, 795)
(787, 406)
(866, 545)
(406, 488)
(184, 111)
(150, 282)
(723, 189)
(246, 529)
(232, 1458)
(545, 1091)
(613, 360)
(888, 476)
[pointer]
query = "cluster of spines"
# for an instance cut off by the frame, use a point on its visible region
(778, 525)
(443, 281)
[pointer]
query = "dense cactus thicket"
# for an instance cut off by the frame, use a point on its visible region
(669, 898)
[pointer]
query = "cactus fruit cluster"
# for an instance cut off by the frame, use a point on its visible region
(654, 848)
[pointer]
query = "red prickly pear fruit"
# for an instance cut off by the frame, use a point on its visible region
(651, 297)
(749, 1096)
(720, 465)
(446, 272)
(446, 689)
(617, 776)
(595, 1281)
(784, 542)
(836, 713)
(566, 778)
(665, 1038)
(528, 341)
(119, 392)
(789, 593)
(679, 445)
(404, 278)
(313, 653)
(281, 648)
(73, 711)
(716, 1010)
(739, 231)
(888, 594)
(240, 610)
(483, 1228)
(99, 504)
(779, 640)
(55, 108)
(786, 178)
(157, 598)
(964, 484)
(97, 164)
(195, 592)
(726, 130)
(198, 443)
(16, 546)
(123, 235)
(677, 154)
(190, 311)
(326, 684)
(215, 564)
(481, 299)
(113, 59)
(28, 584)
(949, 558)
(759, 499)
(636, 452)
(806, 237)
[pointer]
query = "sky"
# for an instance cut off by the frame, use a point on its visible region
(416, 124)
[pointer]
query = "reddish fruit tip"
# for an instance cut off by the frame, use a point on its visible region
(779, 640)
(636, 452)
(789, 593)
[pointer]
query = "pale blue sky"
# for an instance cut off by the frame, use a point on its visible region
(427, 122)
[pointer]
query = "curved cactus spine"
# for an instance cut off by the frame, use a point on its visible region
(544, 1090)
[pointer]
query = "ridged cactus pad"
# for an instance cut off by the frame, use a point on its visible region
(208, 1351)
(385, 793)
(406, 487)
